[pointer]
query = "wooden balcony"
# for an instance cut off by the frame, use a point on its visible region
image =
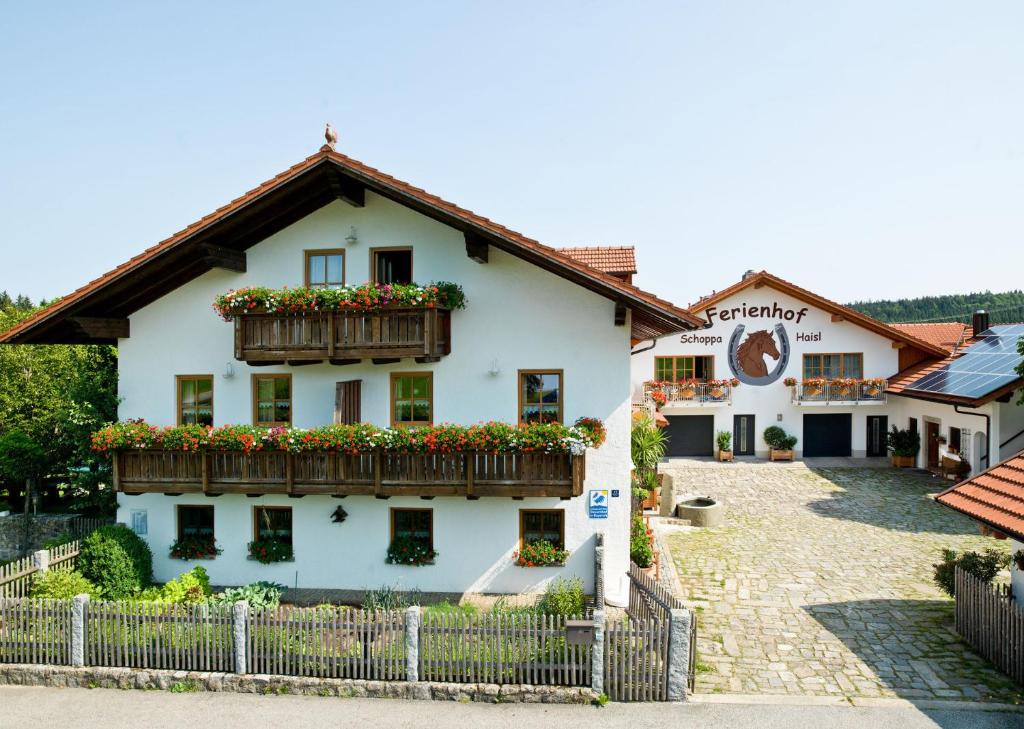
(343, 337)
(378, 474)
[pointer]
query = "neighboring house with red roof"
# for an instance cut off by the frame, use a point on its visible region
(775, 354)
(995, 499)
(545, 336)
(618, 261)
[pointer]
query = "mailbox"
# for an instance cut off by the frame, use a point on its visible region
(579, 632)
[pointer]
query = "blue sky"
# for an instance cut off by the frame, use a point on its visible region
(861, 149)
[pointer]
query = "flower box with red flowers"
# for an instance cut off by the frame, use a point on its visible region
(189, 548)
(541, 553)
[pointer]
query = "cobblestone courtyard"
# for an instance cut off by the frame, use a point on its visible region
(820, 583)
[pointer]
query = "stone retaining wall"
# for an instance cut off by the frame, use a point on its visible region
(42, 528)
(138, 678)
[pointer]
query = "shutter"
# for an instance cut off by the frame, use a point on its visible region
(348, 401)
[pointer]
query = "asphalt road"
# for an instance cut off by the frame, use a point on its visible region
(47, 708)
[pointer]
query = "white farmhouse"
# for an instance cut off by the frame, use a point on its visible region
(543, 336)
(774, 354)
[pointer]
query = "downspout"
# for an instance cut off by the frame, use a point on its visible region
(988, 430)
(654, 343)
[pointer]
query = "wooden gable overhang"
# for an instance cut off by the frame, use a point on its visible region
(98, 312)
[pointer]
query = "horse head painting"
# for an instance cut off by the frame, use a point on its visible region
(750, 354)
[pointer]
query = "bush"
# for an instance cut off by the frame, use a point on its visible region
(57, 541)
(983, 565)
(260, 595)
(777, 438)
(724, 438)
(117, 561)
(641, 545)
(388, 597)
(63, 585)
(903, 442)
(563, 597)
(647, 445)
(189, 587)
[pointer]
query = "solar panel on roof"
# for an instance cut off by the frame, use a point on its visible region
(988, 364)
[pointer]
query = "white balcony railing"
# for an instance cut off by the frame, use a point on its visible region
(851, 392)
(687, 393)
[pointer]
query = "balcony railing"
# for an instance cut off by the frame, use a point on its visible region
(689, 393)
(341, 474)
(343, 337)
(850, 393)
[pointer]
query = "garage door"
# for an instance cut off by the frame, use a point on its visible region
(690, 435)
(827, 435)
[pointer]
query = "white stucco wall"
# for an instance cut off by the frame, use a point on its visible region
(1011, 422)
(904, 408)
(768, 402)
(517, 315)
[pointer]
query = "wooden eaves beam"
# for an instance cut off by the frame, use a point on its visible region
(96, 327)
(221, 257)
(477, 248)
(347, 189)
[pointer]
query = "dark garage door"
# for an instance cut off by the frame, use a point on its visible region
(827, 435)
(690, 435)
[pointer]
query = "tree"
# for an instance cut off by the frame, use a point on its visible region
(54, 396)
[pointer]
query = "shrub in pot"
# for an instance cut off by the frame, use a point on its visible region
(904, 446)
(724, 439)
(780, 444)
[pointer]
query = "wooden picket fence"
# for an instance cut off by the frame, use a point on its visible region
(992, 622)
(35, 631)
(636, 660)
(495, 648)
(16, 577)
(327, 642)
(159, 635)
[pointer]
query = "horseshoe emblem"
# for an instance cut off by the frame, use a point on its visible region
(746, 358)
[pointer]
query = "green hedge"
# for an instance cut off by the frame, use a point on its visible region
(117, 561)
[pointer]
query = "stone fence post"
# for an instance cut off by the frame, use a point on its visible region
(239, 620)
(679, 654)
(79, 608)
(412, 643)
(667, 501)
(597, 654)
(599, 571)
(41, 560)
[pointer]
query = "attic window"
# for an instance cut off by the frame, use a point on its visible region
(392, 265)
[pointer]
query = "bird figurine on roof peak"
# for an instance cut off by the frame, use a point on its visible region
(330, 135)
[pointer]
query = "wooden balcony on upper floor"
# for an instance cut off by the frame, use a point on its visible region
(343, 337)
(377, 473)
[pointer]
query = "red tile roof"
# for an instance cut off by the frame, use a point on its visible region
(610, 259)
(763, 278)
(994, 497)
(652, 316)
(946, 334)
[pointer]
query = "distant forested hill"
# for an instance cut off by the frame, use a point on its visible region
(1004, 307)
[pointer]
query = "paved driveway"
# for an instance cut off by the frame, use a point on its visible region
(820, 583)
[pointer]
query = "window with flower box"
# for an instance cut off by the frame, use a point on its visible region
(272, 399)
(676, 369)
(416, 525)
(271, 534)
(412, 398)
(195, 522)
(325, 269)
(537, 525)
(540, 396)
(195, 399)
(834, 366)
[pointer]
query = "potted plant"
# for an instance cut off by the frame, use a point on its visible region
(409, 551)
(789, 382)
(843, 386)
(659, 398)
(813, 387)
(780, 444)
(904, 445)
(873, 387)
(541, 553)
(194, 548)
(724, 438)
(687, 389)
(647, 447)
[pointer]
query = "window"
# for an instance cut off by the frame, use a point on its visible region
(954, 439)
(913, 425)
(833, 366)
(272, 399)
(195, 522)
(412, 398)
(325, 269)
(415, 524)
(674, 369)
(391, 265)
(540, 396)
(195, 399)
(272, 522)
(535, 525)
